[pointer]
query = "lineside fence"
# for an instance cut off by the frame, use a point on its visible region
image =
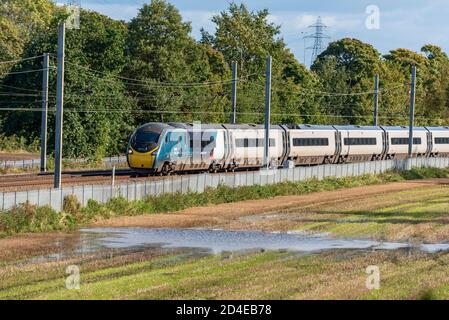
(198, 183)
(33, 163)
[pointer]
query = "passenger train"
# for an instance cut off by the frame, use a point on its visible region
(165, 148)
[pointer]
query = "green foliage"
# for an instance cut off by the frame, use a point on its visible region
(16, 143)
(30, 218)
(348, 66)
(428, 294)
(248, 38)
(152, 69)
(71, 204)
(20, 21)
(160, 49)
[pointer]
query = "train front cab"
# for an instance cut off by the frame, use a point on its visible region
(143, 147)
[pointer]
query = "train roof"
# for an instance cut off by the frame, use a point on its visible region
(401, 128)
(189, 126)
(445, 128)
(355, 127)
(309, 127)
(153, 126)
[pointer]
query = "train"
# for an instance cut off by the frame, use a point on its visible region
(166, 148)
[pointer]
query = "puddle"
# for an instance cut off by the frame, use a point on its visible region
(216, 241)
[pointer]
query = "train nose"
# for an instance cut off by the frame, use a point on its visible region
(141, 160)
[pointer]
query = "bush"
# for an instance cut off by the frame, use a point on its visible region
(18, 144)
(30, 218)
(71, 204)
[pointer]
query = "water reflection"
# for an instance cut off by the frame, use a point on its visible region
(217, 241)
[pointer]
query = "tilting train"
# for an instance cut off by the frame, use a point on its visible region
(165, 148)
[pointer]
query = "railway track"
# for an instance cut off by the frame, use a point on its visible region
(27, 181)
(19, 182)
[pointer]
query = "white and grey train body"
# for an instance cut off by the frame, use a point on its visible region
(222, 147)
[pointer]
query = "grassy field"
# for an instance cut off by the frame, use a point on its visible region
(412, 215)
(267, 275)
(416, 215)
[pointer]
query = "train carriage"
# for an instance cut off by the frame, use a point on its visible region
(439, 138)
(311, 144)
(397, 138)
(360, 143)
(247, 144)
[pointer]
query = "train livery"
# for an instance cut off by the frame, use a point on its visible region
(166, 148)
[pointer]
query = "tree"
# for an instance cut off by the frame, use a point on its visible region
(346, 67)
(161, 54)
(97, 116)
(248, 38)
(20, 20)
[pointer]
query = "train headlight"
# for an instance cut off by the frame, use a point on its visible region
(130, 151)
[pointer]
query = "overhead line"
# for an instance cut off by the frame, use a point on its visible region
(21, 60)
(161, 84)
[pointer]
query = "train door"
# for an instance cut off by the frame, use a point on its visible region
(429, 143)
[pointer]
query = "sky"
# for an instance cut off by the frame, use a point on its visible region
(399, 23)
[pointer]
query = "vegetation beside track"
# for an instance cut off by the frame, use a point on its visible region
(30, 218)
(256, 275)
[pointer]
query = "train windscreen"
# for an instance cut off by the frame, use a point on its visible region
(145, 140)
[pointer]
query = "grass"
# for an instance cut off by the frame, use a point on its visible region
(30, 218)
(267, 275)
(419, 214)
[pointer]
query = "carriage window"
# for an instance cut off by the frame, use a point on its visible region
(204, 143)
(360, 141)
(253, 143)
(403, 141)
(306, 142)
(210, 142)
(441, 140)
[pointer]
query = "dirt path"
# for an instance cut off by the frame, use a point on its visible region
(223, 214)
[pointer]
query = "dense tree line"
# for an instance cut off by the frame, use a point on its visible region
(122, 74)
